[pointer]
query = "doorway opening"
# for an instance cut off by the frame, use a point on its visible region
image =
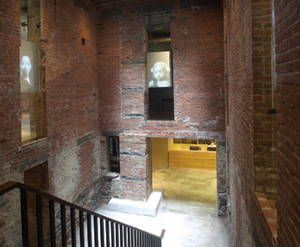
(185, 169)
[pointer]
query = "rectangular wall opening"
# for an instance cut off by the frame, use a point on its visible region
(159, 67)
(180, 167)
(114, 154)
(32, 96)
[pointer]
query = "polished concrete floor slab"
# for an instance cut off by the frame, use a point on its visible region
(187, 212)
(187, 224)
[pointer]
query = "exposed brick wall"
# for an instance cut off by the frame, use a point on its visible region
(134, 174)
(251, 121)
(264, 104)
(288, 78)
(241, 130)
(10, 84)
(197, 45)
(69, 77)
(87, 160)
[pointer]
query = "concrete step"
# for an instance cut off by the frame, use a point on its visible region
(149, 208)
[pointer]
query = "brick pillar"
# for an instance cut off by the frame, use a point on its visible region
(221, 177)
(135, 181)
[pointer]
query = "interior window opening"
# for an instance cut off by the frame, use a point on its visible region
(114, 154)
(32, 97)
(159, 77)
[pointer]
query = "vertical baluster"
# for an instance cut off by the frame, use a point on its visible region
(102, 232)
(121, 236)
(73, 227)
(125, 237)
(144, 239)
(117, 235)
(24, 218)
(96, 240)
(52, 223)
(107, 233)
(63, 225)
(140, 239)
(39, 220)
(137, 238)
(89, 230)
(129, 236)
(147, 240)
(112, 233)
(132, 238)
(81, 228)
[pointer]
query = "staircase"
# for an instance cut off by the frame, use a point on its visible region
(50, 221)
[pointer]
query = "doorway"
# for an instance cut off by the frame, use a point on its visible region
(185, 169)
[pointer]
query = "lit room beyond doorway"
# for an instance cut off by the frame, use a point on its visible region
(185, 169)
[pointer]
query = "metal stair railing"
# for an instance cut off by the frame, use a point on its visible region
(71, 225)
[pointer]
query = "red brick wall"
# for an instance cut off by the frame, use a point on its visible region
(197, 44)
(87, 160)
(250, 121)
(10, 87)
(70, 79)
(198, 78)
(251, 230)
(264, 103)
(288, 78)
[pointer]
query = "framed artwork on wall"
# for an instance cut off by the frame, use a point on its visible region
(158, 69)
(29, 67)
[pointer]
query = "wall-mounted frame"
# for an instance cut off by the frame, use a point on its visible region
(29, 67)
(159, 69)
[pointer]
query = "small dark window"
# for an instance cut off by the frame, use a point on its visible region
(114, 146)
(114, 154)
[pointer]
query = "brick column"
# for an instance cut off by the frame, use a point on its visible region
(221, 177)
(135, 181)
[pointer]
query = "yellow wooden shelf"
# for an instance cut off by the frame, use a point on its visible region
(192, 159)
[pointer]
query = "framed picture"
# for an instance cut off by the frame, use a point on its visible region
(28, 67)
(158, 69)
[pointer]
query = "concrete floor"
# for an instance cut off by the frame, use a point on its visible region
(186, 184)
(187, 212)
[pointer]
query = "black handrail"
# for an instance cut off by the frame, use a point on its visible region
(105, 233)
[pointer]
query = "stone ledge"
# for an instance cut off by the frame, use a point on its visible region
(150, 207)
(268, 213)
